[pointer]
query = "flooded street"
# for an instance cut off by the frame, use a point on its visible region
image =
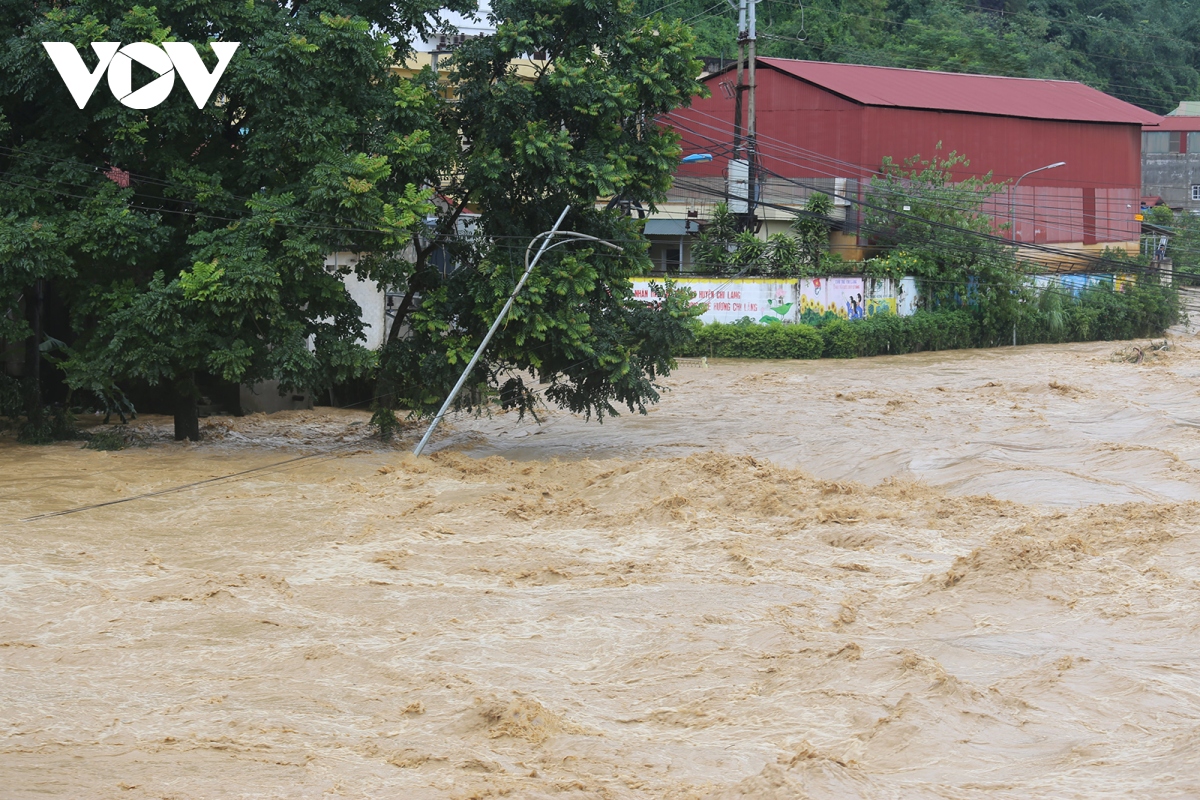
(1060, 425)
(966, 574)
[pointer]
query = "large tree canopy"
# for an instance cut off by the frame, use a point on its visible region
(575, 124)
(186, 241)
(207, 251)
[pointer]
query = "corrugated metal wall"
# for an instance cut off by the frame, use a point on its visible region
(807, 132)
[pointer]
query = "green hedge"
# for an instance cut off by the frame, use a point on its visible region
(757, 341)
(1099, 314)
(888, 334)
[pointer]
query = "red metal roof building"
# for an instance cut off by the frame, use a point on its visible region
(821, 121)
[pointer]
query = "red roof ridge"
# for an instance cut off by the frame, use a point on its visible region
(921, 71)
(964, 92)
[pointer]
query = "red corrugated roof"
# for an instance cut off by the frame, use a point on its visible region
(1174, 124)
(1032, 98)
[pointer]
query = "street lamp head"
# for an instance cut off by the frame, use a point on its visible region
(1012, 208)
(696, 158)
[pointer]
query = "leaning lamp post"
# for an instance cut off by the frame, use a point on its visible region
(1012, 197)
(546, 237)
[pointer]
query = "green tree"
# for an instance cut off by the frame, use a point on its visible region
(527, 145)
(209, 255)
(721, 249)
(947, 239)
(714, 249)
(812, 232)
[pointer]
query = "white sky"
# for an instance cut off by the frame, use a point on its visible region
(464, 25)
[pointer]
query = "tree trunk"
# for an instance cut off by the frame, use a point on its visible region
(33, 353)
(187, 415)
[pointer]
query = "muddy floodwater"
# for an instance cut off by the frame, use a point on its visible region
(947, 575)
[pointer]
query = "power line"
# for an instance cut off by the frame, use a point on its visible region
(1036, 210)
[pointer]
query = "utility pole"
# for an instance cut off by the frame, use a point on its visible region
(751, 121)
(741, 190)
(741, 84)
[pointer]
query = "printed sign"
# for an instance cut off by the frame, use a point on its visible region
(772, 301)
(763, 300)
(881, 299)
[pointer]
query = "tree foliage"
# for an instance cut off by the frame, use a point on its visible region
(211, 259)
(721, 249)
(572, 128)
(206, 256)
(943, 237)
(1143, 52)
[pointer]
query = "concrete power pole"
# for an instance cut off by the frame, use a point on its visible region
(741, 82)
(741, 190)
(751, 121)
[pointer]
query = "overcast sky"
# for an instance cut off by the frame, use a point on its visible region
(464, 25)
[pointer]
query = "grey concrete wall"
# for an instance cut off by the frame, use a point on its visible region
(264, 398)
(1170, 176)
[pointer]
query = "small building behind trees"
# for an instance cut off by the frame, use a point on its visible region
(1171, 158)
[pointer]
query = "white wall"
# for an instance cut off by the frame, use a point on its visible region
(369, 298)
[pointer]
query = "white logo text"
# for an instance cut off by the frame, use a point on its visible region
(170, 58)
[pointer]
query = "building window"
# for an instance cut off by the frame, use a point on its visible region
(1193, 142)
(1158, 142)
(671, 260)
(1196, 191)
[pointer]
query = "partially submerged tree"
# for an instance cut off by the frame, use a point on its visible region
(188, 240)
(531, 138)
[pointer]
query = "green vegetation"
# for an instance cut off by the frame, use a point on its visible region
(722, 249)
(210, 263)
(107, 440)
(211, 259)
(1099, 313)
(751, 340)
(939, 234)
(1146, 53)
(1184, 247)
(520, 151)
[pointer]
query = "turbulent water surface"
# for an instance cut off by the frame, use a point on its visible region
(973, 574)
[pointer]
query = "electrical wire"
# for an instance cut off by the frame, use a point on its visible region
(324, 455)
(1051, 219)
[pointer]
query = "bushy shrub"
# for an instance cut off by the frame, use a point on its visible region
(56, 425)
(841, 338)
(757, 341)
(1099, 313)
(889, 334)
(104, 440)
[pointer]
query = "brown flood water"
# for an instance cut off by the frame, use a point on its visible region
(762, 589)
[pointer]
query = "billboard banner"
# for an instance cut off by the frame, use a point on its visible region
(764, 300)
(780, 300)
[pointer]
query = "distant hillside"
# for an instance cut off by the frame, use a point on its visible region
(1145, 53)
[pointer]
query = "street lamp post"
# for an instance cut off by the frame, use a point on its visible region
(547, 236)
(1012, 197)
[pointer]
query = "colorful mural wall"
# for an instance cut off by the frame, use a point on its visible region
(764, 300)
(1075, 283)
(808, 300)
(814, 300)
